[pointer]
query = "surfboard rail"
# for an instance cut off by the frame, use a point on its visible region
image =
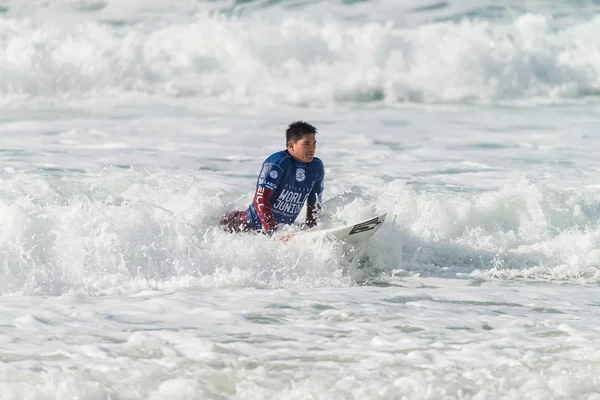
(352, 233)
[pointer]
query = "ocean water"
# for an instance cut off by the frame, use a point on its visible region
(128, 126)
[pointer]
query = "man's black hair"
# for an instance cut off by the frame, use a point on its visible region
(297, 130)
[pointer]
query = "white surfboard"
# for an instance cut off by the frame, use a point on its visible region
(349, 234)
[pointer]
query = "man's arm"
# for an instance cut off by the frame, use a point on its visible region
(262, 205)
(268, 180)
(312, 210)
(313, 204)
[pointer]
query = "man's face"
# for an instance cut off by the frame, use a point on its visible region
(304, 149)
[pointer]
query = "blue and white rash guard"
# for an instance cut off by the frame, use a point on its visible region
(292, 182)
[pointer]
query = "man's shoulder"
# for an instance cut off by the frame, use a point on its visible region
(318, 163)
(280, 158)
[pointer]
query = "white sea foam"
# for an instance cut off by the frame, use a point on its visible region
(433, 338)
(128, 127)
(297, 58)
(126, 235)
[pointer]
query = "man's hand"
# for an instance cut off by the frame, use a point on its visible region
(286, 237)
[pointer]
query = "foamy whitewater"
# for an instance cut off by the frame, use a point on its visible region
(128, 127)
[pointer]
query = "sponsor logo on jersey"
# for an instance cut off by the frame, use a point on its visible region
(290, 202)
(263, 174)
(273, 174)
(300, 175)
(298, 188)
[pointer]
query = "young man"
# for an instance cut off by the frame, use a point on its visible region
(287, 180)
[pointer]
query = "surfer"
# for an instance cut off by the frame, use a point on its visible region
(288, 179)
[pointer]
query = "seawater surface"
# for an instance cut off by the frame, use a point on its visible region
(128, 127)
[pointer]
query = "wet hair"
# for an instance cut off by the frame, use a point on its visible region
(297, 130)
